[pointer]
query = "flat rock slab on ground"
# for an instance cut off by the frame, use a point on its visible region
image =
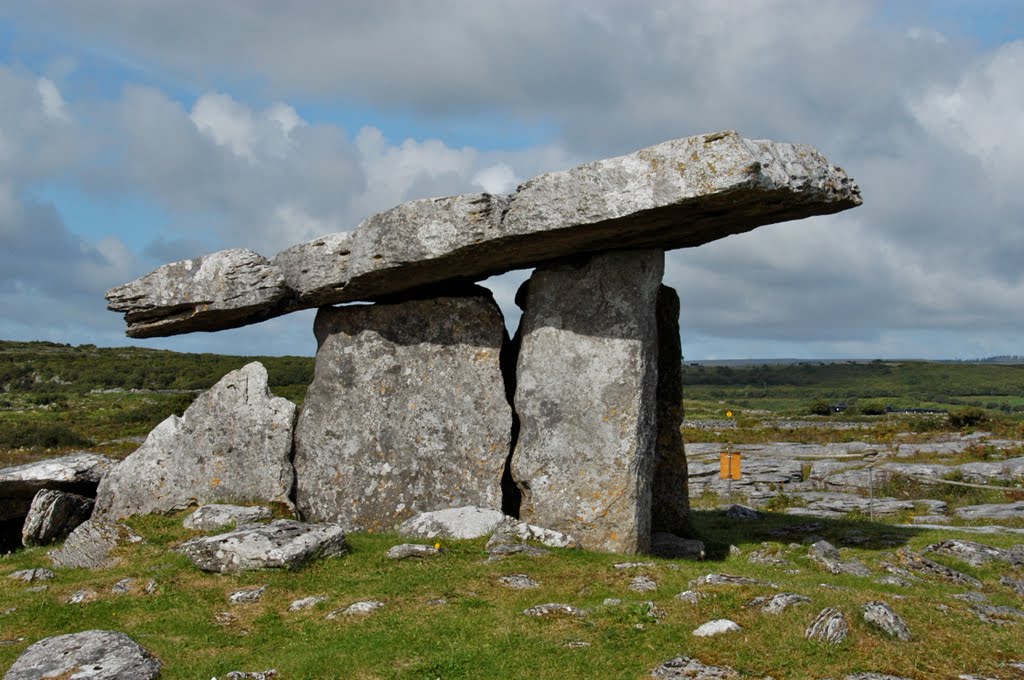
(216, 516)
(91, 545)
(282, 544)
(460, 523)
(407, 412)
(92, 654)
(923, 565)
(586, 380)
(78, 473)
(53, 515)
(684, 667)
(776, 604)
(716, 627)
(406, 551)
(992, 511)
(976, 554)
(555, 609)
(232, 444)
(680, 193)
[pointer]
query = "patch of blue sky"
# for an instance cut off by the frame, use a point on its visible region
(988, 24)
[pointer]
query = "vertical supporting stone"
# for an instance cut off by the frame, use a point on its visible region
(407, 411)
(670, 498)
(585, 396)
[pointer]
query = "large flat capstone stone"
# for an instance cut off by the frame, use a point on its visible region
(407, 411)
(233, 444)
(586, 381)
(78, 473)
(92, 654)
(676, 194)
(282, 544)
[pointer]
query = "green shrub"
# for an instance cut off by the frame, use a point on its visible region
(820, 408)
(872, 408)
(968, 417)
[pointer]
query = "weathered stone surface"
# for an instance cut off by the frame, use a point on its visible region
(407, 412)
(923, 565)
(247, 596)
(642, 584)
(671, 546)
(511, 530)
(225, 289)
(216, 516)
(78, 473)
(776, 604)
(680, 193)
(92, 654)
(232, 444)
(53, 515)
(83, 596)
(91, 544)
(31, 575)
(992, 511)
(758, 473)
(670, 497)
(827, 555)
(743, 512)
(518, 582)
(1015, 584)
(888, 621)
(364, 608)
(843, 503)
(977, 554)
(999, 615)
(986, 472)
(684, 667)
(459, 523)
(551, 609)
(406, 550)
(306, 603)
(716, 627)
(585, 395)
(282, 544)
(829, 626)
(729, 580)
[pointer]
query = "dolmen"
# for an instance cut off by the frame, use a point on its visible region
(421, 401)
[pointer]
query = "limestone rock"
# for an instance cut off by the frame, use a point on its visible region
(998, 615)
(829, 626)
(459, 523)
(889, 622)
(671, 546)
(232, 444)
(407, 412)
(827, 555)
(511, 530)
(843, 503)
(406, 550)
(31, 575)
(682, 667)
(643, 584)
(670, 497)
(247, 596)
(306, 603)
(91, 545)
(585, 396)
(282, 544)
(992, 511)
(923, 565)
(729, 580)
(680, 193)
(743, 512)
(364, 608)
(216, 516)
(776, 604)
(716, 627)
(83, 596)
(78, 473)
(226, 289)
(518, 581)
(552, 609)
(53, 515)
(107, 654)
(976, 554)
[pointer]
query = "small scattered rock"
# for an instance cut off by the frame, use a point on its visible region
(1016, 584)
(122, 587)
(743, 512)
(976, 554)
(459, 523)
(241, 675)
(925, 566)
(874, 676)
(150, 588)
(690, 596)
(577, 644)
(611, 602)
(283, 543)
(408, 550)
(247, 596)
(364, 608)
(83, 596)
(685, 667)
(218, 516)
(827, 555)
(306, 603)
(518, 581)
(971, 596)
(643, 584)
(767, 554)
(829, 626)
(729, 580)
(634, 565)
(997, 615)
(31, 575)
(776, 604)
(888, 621)
(107, 654)
(551, 609)
(992, 511)
(716, 627)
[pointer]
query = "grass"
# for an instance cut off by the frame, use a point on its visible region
(481, 631)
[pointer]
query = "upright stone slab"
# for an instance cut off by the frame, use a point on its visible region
(407, 411)
(585, 396)
(233, 444)
(670, 498)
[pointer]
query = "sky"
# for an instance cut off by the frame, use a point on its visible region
(135, 133)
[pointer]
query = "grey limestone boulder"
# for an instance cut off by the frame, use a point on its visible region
(827, 555)
(232, 444)
(92, 654)
(716, 627)
(677, 194)
(222, 290)
(776, 604)
(407, 412)
(585, 395)
(217, 516)
(830, 626)
(404, 551)
(78, 473)
(460, 523)
(53, 515)
(92, 543)
(882, 616)
(976, 554)
(282, 544)
(682, 667)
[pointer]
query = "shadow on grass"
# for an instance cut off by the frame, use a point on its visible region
(718, 531)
